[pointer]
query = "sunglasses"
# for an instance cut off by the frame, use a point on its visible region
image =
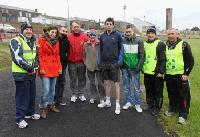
(92, 34)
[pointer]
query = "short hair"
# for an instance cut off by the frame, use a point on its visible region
(77, 22)
(173, 30)
(52, 28)
(45, 30)
(129, 26)
(109, 19)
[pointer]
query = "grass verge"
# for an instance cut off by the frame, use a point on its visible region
(5, 58)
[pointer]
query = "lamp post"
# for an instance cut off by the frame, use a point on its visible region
(68, 18)
(124, 8)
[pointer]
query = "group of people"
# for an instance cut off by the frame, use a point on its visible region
(101, 58)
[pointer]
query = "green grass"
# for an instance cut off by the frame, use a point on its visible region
(5, 58)
(192, 127)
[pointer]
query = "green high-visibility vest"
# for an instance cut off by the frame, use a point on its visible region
(175, 63)
(150, 57)
(28, 55)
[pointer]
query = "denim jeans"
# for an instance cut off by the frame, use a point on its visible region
(130, 77)
(48, 91)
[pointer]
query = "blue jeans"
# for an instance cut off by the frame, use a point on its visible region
(128, 77)
(48, 91)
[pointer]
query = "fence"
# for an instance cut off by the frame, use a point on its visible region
(4, 37)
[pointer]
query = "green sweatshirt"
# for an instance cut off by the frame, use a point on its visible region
(133, 53)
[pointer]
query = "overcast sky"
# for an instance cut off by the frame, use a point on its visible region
(186, 13)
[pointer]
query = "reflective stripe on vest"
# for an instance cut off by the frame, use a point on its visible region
(28, 55)
(150, 57)
(175, 64)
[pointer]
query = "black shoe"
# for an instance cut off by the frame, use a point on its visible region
(147, 107)
(155, 112)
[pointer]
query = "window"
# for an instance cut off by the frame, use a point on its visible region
(20, 13)
(3, 10)
(29, 15)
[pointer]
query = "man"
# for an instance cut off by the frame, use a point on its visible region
(132, 64)
(179, 64)
(110, 59)
(24, 66)
(60, 83)
(76, 67)
(154, 68)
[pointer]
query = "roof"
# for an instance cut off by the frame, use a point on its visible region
(80, 19)
(15, 8)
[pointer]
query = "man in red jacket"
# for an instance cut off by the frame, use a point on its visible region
(76, 68)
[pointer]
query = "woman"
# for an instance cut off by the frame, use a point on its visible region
(90, 55)
(49, 69)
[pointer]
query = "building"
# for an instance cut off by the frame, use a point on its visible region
(10, 14)
(84, 23)
(142, 26)
(49, 20)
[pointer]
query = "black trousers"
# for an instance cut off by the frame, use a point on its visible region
(93, 76)
(77, 75)
(154, 90)
(178, 94)
(25, 99)
(60, 86)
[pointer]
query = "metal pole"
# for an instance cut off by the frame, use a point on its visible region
(68, 18)
(124, 7)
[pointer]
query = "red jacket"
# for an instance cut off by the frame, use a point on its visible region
(75, 50)
(49, 58)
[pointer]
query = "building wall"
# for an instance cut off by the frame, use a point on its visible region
(14, 15)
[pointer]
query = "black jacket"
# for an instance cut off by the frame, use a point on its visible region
(160, 56)
(187, 55)
(64, 44)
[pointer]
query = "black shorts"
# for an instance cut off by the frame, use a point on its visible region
(111, 72)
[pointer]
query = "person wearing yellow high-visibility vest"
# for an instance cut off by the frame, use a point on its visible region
(24, 66)
(154, 68)
(179, 64)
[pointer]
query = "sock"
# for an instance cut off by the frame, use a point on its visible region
(117, 102)
(107, 99)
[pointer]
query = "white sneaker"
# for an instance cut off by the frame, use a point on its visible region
(181, 120)
(101, 104)
(22, 124)
(82, 98)
(168, 113)
(127, 105)
(138, 108)
(92, 101)
(104, 104)
(117, 109)
(73, 98)
(34, 116)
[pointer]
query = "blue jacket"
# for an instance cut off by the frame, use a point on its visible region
(111, 48)
(17, 56)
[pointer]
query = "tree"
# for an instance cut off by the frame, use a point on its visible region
(195, 29)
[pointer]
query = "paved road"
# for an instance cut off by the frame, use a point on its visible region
(75, 120)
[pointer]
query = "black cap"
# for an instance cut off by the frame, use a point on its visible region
(151, 29)
(25, 25)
